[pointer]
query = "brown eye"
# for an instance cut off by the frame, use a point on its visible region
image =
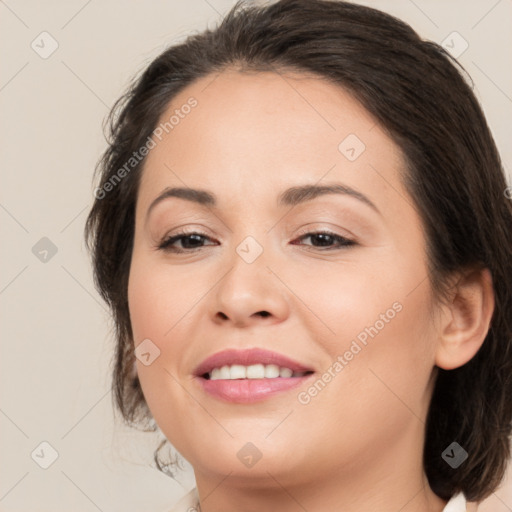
(325, 239)
(189, 242)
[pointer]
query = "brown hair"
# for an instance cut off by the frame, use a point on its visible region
(454, 175)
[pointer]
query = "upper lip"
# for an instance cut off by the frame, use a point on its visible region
(247, 357)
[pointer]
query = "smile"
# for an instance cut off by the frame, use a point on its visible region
(254, 371)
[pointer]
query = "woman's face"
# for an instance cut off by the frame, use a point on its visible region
(357, 316)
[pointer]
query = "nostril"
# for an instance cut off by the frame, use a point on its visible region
(264, 313)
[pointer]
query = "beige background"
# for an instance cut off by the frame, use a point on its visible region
(56, 334)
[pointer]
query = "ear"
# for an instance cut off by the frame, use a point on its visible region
(466, 319)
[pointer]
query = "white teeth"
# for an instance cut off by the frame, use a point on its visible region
(271, 371)
(215, 374)
(253, 371)
(285, 372)
(224, 372)
(237, 371)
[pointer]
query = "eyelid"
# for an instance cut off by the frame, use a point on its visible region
(304, 230)
(186, 229)
(341, 241)
(321, 226)
(181, 233)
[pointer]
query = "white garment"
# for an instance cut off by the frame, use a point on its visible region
(190, 502)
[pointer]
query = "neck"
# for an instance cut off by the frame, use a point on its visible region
(393, 481)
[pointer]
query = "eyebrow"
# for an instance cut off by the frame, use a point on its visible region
(290, 197)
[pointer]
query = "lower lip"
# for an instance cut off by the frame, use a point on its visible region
(245, 391)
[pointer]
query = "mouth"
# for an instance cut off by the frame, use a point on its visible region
(253, 371)
(251, 363)
(245, 376)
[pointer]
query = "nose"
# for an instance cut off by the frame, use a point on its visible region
(249, 294)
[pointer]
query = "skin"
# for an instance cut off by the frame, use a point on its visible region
(357, 443)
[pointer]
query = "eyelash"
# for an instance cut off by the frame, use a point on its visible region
(166, 243)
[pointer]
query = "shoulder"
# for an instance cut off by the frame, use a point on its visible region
(189, 503)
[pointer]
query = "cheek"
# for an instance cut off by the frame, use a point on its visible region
(346, 299)
(158, 307)
(379, 324)
(159, 297)
(387, 358)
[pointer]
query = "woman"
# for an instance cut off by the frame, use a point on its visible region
(302, 229)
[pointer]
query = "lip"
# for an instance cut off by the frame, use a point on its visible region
(249, 390)
(247, 357)
(245, 391)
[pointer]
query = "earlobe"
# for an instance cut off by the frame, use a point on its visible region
(467, 319)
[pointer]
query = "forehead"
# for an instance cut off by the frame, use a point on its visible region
(264, 131)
